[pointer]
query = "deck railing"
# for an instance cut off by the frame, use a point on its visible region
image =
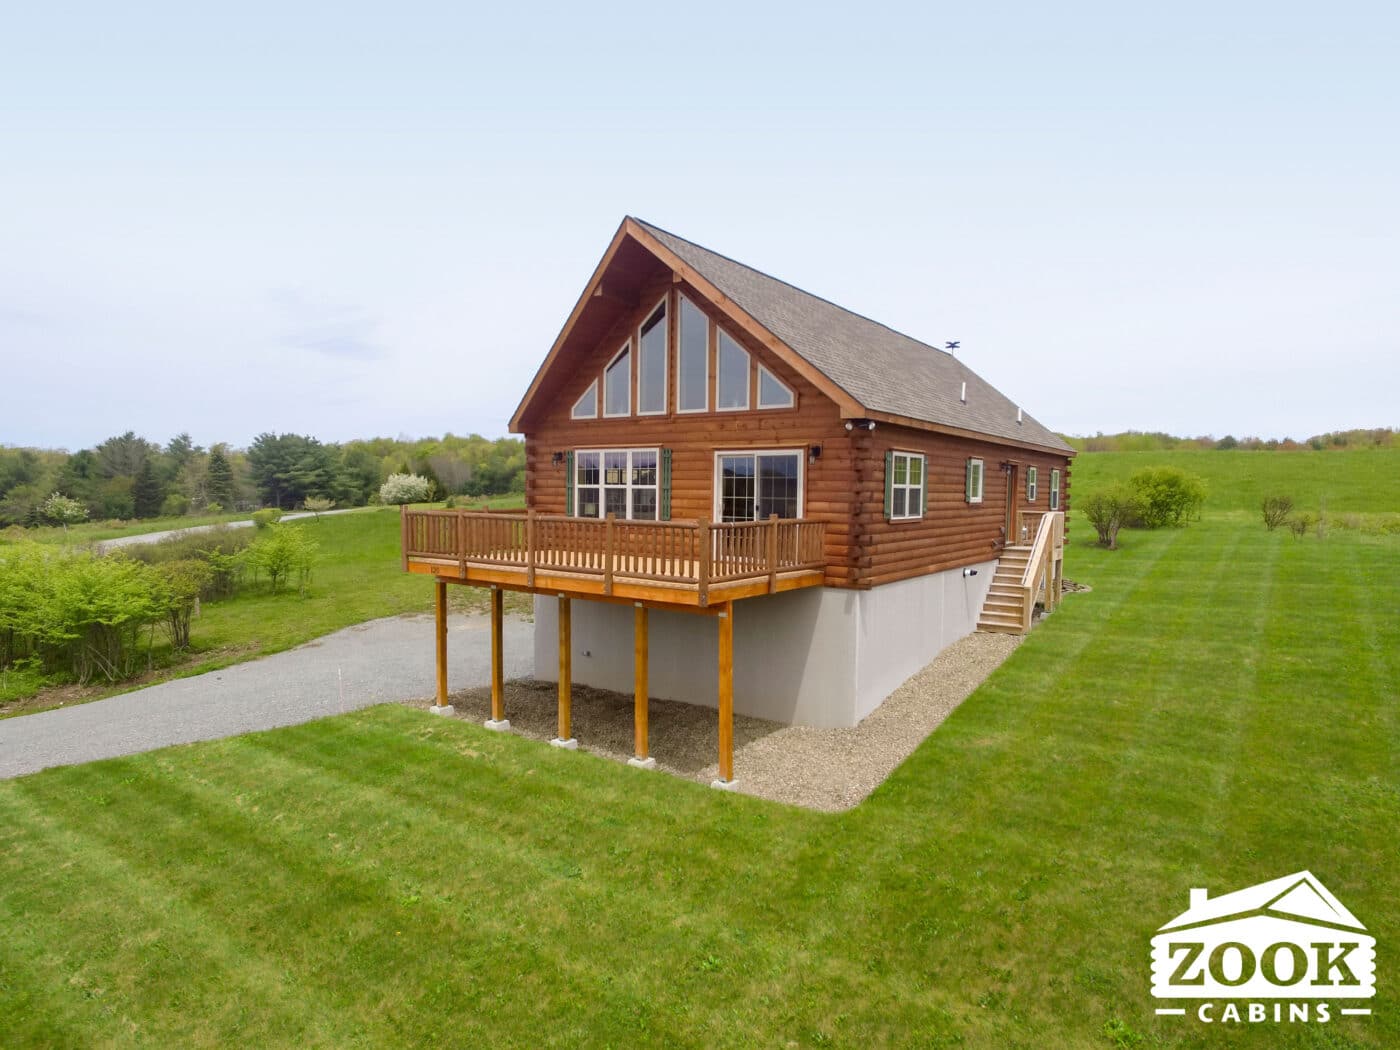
(696, 553)
(1044, 567)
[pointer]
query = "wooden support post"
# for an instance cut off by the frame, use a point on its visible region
(772, 554)
(441, 609)
(726, 693)
(608, 533)
(530, 548)
(498, 700)
(702, 558)
(640, 644)
(566, 685)
(404, 535)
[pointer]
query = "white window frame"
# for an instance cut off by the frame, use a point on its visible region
(764, 370)
(663, 302)
(1054, 490)
(705, 352)
(602, 486)
(631, 368)
(1032, 484)
(921, 488)
(720, 333)
(801, 454)
(574, 413)
(981, 479)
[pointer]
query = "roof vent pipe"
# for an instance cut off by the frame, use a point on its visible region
(963, 396)
(1018, 415)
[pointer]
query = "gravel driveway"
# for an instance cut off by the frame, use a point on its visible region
(371, 663)
(156, 537)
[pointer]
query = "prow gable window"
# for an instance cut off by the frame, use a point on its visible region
(772, 391)
(1032, 484)
(616, 481)
(617, 383)
(651, 364)
(753, 486)
(1054, 490)
(586, 407)
(974, 481)
(693, 387)
(732, 390)
(904, 486)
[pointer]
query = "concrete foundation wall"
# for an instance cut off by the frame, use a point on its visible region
(819, 657)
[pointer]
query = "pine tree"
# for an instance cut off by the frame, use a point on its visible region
(219, 483)
(148, 493)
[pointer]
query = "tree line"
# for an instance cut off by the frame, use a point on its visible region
(1156, 441)
(128, 476)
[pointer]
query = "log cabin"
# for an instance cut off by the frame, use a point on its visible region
(742, 495)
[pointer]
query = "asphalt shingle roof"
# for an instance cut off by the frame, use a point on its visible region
(883, 370)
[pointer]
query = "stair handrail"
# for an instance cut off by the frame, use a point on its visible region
(1033, 576)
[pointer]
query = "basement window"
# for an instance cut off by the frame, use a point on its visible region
(975, 471)
(586, 407)
(1032, 484)
(904, 490)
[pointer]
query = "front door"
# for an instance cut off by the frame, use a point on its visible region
(1011, 470)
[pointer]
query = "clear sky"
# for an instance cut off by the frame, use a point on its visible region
(355, 220)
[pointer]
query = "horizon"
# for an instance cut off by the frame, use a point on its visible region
(1127, 222)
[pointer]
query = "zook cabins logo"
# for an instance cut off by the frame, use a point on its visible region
(1282, 951)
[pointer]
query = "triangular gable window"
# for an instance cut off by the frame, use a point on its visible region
(772, 391)
(586, 407)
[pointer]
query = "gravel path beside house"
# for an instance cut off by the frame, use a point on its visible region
(156, 537)
(371, 663)
(824, 769)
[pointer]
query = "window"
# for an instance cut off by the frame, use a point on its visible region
(616, 481)
(974, 481)
(1032, 484)
(617, 384)
(733, 388)
(1054, 490)
(904, 486)
(753, 486)
(772, 391)
(586, 407)
(651, 363)
(693, 394)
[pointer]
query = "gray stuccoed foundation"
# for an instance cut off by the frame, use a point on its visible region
(818, 657)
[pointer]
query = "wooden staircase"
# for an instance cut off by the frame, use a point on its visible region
(1024, 576)
(1002, 611)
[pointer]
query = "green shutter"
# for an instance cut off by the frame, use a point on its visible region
(889, 484)
(569, 483)
(664, 497)
(967, 488)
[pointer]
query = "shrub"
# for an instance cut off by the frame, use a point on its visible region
(405, 488)
(1108, 510)
(1167, 496)
(175, 505)
(184, 581)
(1300, 525)
(283, 551)
(318, 505)
(214, 508)
(267, 516)
(1276, 510)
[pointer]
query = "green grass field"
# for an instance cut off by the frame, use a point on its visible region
(97, 531)
(1221, 709)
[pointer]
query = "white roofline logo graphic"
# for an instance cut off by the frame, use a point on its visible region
(1288, 938)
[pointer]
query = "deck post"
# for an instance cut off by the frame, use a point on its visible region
(772, 554)
(565, 738)
(640, 645)
(608, 533)
(498, 718)
(530, 547)
(404, 534)
(702, 561)
(442, 707)
(726, 698)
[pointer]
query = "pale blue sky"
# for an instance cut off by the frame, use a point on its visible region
(350, 220)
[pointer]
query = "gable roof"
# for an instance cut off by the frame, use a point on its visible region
(1299, 896)
(868, 368)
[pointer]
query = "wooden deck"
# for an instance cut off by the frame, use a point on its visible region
(680, 563)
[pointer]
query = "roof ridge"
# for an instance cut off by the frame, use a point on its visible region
(795, 288)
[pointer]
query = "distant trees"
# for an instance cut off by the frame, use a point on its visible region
(127, 476)
(1156, 441)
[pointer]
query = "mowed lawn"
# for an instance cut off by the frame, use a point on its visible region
(1221, 709)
